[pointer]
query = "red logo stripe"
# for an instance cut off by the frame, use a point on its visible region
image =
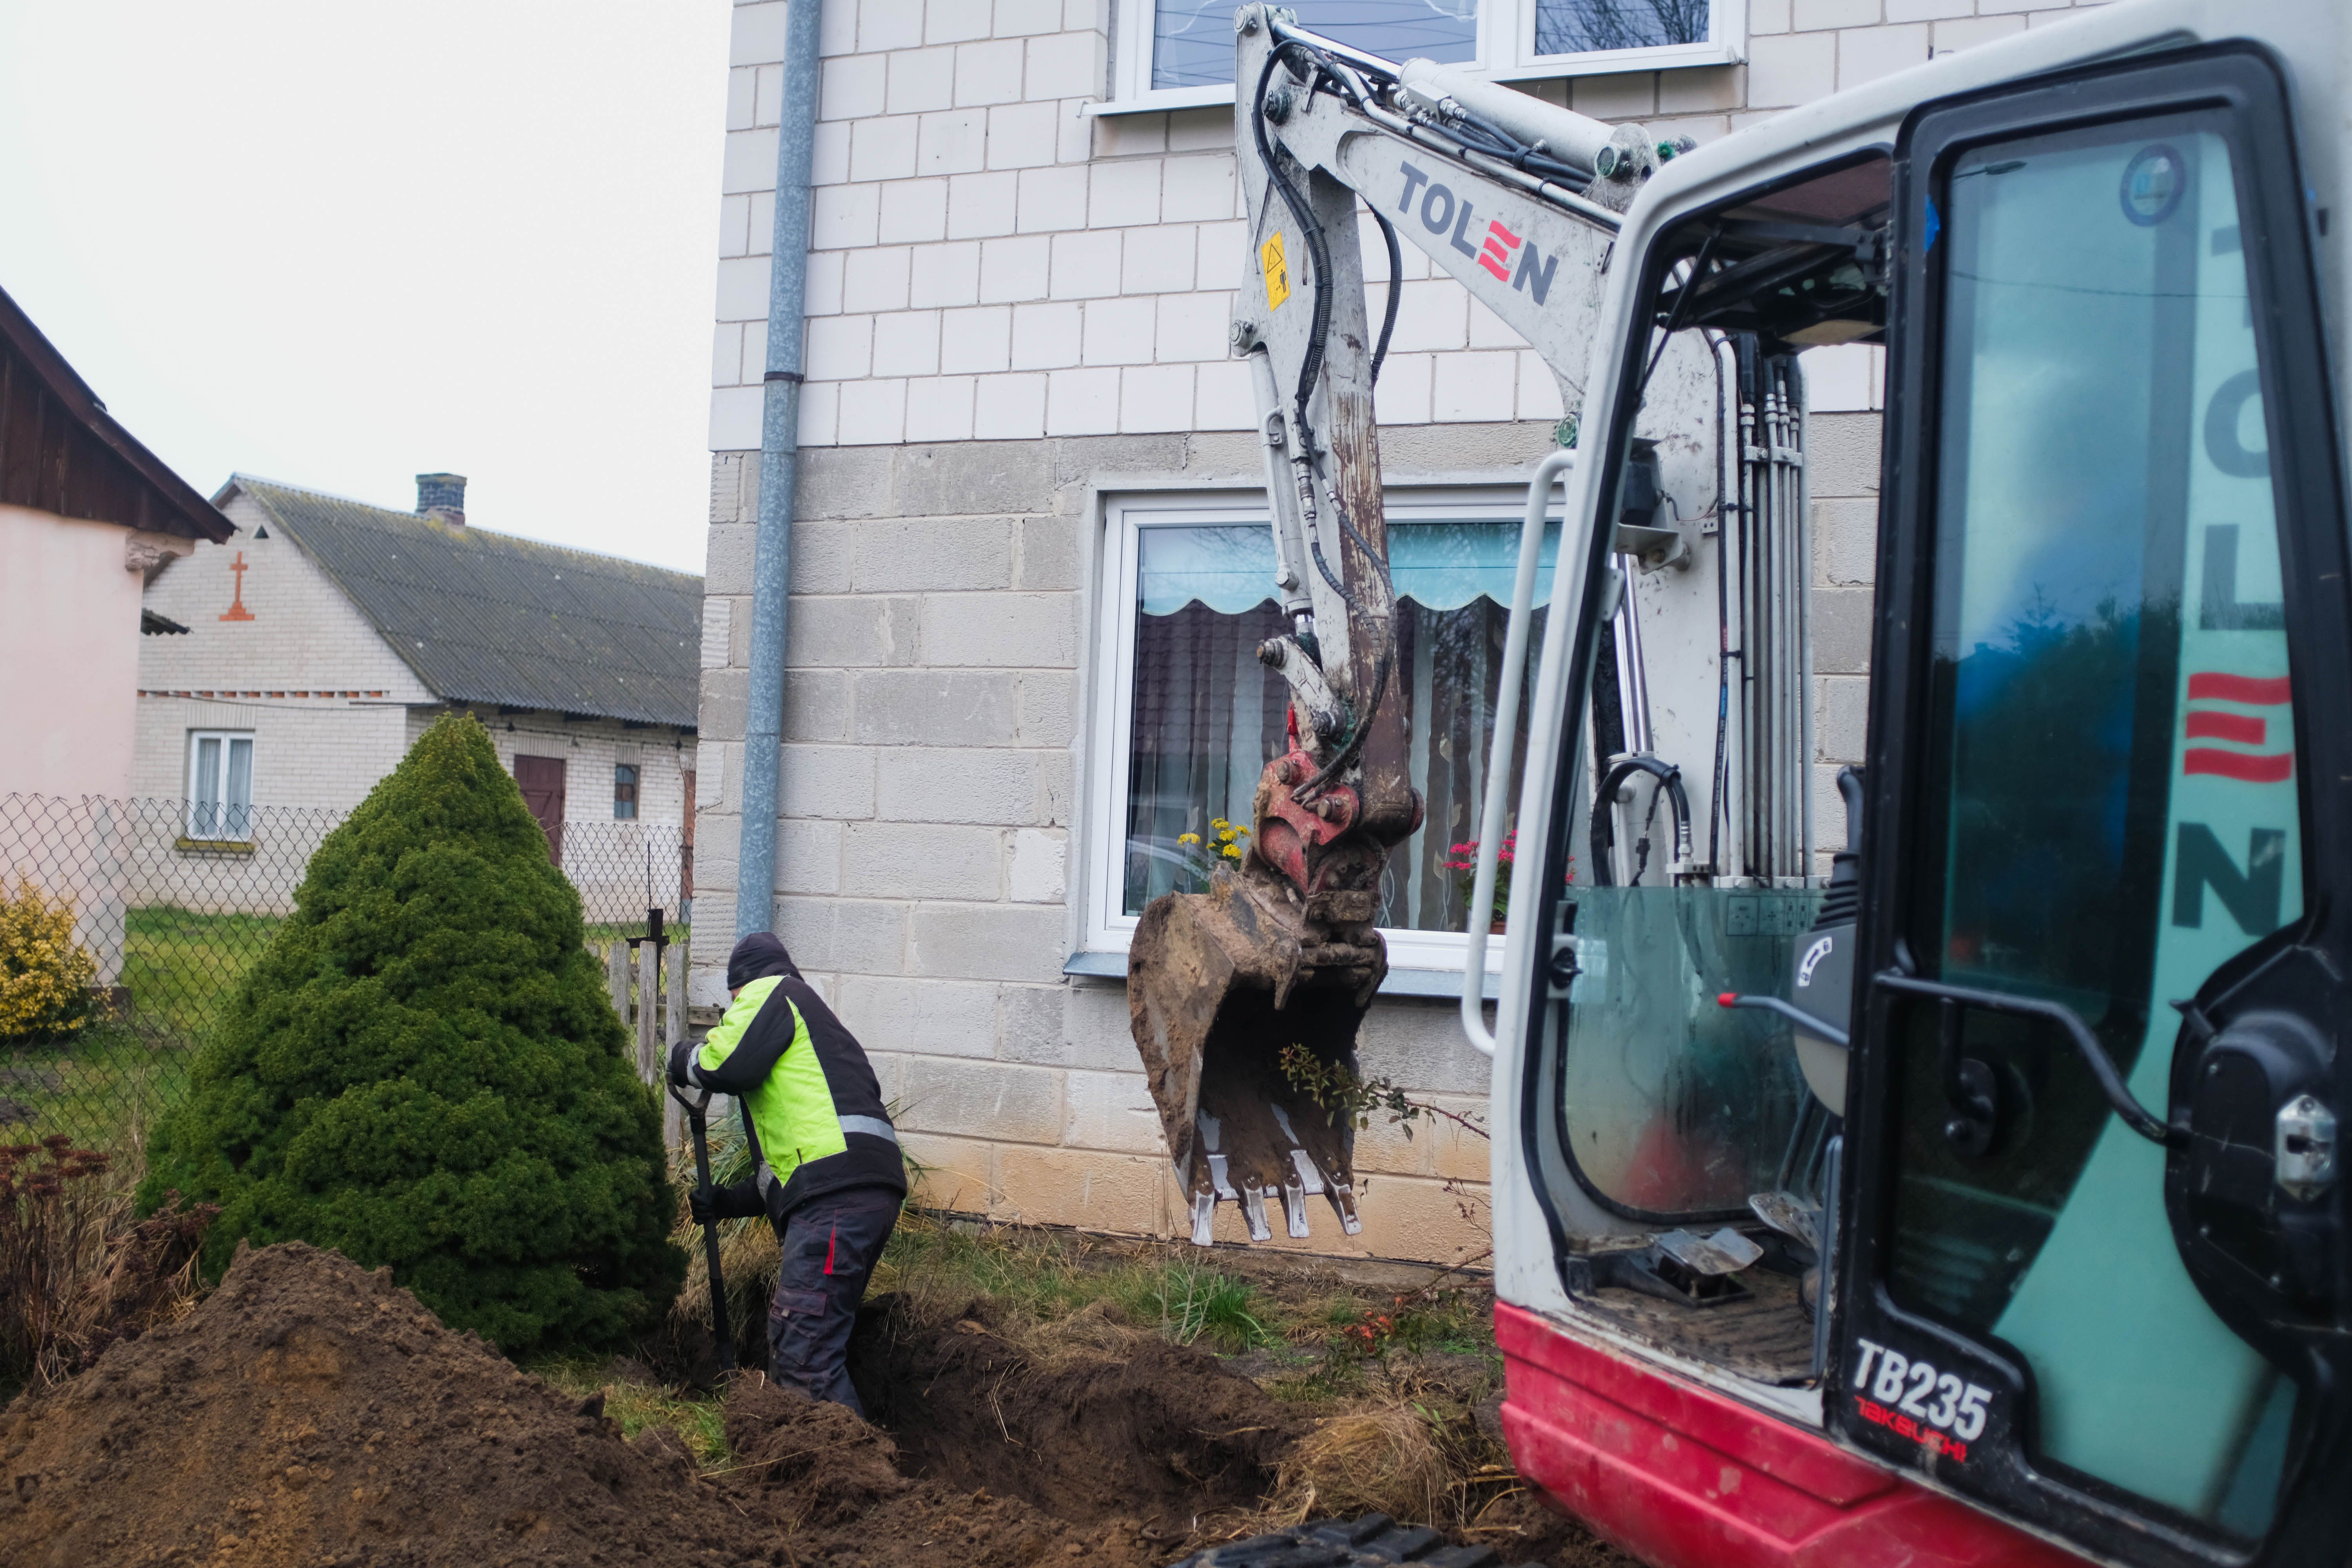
(1508, 238)
(2242, 728)
(1486, 261)
(2236, 689)
(2269, 769)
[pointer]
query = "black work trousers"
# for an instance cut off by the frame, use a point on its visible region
(831, 1245)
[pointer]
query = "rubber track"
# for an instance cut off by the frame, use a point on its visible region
(1371, 1542)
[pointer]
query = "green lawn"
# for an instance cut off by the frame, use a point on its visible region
(104, 1085)
(181, 967)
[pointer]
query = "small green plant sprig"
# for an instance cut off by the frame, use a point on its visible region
(1343, 1093)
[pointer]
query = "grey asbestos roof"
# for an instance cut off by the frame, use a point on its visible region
(486, 617)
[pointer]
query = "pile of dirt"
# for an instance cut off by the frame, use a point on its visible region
(1096, 1426)
(312, 1412)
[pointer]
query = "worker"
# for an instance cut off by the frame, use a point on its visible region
(827, 1170)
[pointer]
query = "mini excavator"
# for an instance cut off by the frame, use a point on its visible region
(1965, 1190)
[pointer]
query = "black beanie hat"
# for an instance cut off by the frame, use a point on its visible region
(756, 957)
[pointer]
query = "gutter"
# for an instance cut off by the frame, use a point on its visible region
(755, 877)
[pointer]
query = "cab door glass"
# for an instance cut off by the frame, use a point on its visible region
(2112, 790)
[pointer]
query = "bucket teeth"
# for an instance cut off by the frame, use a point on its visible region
(1204, 1218)
(1343, 1203)
(1253, 1211)
(1293, 1207)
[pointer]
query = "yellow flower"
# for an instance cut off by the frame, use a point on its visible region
(1226, 836)
(1231, 852)
(1218, 822)
(1188, 839)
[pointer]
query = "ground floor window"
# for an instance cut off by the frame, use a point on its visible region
(220, 786)
(1193, 718)
(625, 792)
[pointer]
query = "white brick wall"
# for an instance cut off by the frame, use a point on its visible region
(955, 169)
(993, 266)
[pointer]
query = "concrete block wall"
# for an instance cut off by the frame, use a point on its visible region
(1012, 301)
(938, 649)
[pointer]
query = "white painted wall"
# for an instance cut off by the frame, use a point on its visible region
(70, 596)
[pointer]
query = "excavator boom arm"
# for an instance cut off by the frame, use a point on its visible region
(1518, 201)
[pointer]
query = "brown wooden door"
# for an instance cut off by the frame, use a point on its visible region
(541, 781)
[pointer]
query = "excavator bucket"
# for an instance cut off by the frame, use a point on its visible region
(1218, 985)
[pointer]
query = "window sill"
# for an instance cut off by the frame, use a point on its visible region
(186, 846)
(1100, 963)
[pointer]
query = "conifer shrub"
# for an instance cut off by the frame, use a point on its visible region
(424, 1070)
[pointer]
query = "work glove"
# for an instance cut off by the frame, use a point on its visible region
(681, 1057)
(740, 1201)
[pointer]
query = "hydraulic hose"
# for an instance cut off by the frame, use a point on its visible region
(1318, 253)
(1604, 803)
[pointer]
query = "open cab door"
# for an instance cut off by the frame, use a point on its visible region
(2001, 1221)
(2096, 1275)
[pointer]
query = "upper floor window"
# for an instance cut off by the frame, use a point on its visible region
(220, 786)
(1186, 53)
(625, 792)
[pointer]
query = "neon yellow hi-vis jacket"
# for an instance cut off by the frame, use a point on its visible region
(809, 1095)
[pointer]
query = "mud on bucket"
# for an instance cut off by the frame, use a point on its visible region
(1218, 984)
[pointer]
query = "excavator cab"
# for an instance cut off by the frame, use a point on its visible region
(1997, 1147)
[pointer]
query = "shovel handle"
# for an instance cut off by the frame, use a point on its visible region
(718, 1329)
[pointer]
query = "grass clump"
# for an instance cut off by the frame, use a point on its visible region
(699, 1422)
(1196, 1305)
(423, 1070)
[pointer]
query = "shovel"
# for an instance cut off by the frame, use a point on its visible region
(694, 1114)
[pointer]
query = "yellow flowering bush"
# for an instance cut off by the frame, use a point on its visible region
(44, 976)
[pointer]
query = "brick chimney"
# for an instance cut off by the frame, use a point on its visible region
(442, 497)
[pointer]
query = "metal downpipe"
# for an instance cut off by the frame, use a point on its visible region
(780, 414)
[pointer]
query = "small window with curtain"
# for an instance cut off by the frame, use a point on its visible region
(625, 792)
(1198, 717)
(220, 786)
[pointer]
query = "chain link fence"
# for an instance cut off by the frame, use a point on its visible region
(126, 925)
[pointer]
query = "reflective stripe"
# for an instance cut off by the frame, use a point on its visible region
(765, 1179)
(872, 1126)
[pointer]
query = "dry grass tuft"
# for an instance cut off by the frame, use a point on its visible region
(1387, 1458)
(79, 1270)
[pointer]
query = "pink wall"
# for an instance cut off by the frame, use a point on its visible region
(69, 643)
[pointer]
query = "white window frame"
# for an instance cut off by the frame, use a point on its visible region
(1507, 33)
(188, 812)
(1104, 926)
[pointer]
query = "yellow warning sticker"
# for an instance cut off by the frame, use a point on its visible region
(1277, 271)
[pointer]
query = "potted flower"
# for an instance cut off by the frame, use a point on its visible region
(1227, 840)
(1464, 862)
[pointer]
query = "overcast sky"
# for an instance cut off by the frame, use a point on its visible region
(341, 245)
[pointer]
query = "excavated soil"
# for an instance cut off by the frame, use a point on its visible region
(312, 1413)
(1140, 1427)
